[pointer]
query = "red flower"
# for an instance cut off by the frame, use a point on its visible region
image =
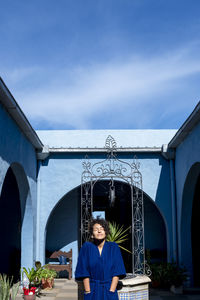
(27, 291)
(32, 289)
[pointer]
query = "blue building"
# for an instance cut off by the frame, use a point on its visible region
(40, 188)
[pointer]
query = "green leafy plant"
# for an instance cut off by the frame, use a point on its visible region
(31, 274)
(46, 273)
(14, 290)
(8, 291)
(118, 235)
(36, 274)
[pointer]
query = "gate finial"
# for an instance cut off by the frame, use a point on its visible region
(110, 143)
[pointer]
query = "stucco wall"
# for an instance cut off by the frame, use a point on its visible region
(16, 151)
(186, 173)
(187, 154)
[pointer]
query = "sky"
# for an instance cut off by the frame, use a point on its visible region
(102, 64)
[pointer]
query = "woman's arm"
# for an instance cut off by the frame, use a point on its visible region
(86, 283)
(114, 283)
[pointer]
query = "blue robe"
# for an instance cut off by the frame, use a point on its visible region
(100, 269)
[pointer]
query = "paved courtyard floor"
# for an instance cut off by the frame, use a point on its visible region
(65, 289)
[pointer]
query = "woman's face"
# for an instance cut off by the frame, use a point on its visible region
(98, 232)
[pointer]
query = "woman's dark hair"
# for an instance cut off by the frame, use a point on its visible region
(101, 222)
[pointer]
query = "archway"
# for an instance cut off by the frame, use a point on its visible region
(190, 223)
(63, 225)
(10, 226)
(16, 222)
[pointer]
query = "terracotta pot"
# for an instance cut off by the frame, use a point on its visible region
(29, 297)
(47, 283)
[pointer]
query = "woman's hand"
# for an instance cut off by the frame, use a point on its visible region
(86, 283)
(114, 283)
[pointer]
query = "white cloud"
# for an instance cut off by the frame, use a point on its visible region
(73, 97)
(17, 75)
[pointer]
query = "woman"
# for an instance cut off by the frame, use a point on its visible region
(100, 264)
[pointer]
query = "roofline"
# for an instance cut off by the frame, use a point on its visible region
(186, 128)
(13, 109)
(47, 150)
(96, 149)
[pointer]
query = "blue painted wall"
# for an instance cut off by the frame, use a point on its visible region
(19, 154)
(187, 168)
(61, 173)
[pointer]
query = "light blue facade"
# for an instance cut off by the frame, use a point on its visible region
(47, 167)
(60, 173)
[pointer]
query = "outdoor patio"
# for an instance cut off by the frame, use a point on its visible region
(65, 289)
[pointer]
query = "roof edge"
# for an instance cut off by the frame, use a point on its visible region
(186, 128)
(13, 109)
(97, 149)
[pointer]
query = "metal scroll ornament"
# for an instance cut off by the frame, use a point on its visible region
(113, 168)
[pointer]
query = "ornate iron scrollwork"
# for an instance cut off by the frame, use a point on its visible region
(113, 168)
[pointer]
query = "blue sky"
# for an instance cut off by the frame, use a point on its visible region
(91, 64)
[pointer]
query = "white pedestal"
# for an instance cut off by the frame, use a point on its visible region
(134, 288)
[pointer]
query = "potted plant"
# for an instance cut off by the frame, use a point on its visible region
(178, 276)
(29, 293)
(47, 277)
(31, 283)
(168, 275)
(8, 290)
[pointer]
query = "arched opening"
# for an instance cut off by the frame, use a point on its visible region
(154, 225)
(62, 229)
(63, 226)
(16, 222)
(10, 227)
(190, 223)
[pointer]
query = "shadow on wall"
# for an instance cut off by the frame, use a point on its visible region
(13, 210)
(163, 202)
(10, 227)
(155, 231)
(62, 230)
